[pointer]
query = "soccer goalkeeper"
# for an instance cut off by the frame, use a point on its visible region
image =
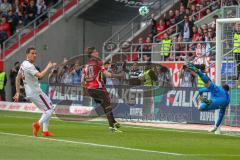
(219, 96)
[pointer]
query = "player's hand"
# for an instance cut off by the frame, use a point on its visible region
(51, 65)
(16, 97)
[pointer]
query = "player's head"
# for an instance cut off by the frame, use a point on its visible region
(202, 67)
(226, 87)
(92, 52)
(17, 65)
(31, 54)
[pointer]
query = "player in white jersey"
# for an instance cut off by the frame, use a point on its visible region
(29, 74)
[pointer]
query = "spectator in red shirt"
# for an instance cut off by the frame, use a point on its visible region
(192, 2)
(200, 31)
(160, 28)
(195, 35)
(4, 30)
(147, 49)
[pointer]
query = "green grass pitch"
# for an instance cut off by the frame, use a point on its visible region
(93, 141)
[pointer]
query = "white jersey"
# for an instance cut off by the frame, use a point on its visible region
(31, 84)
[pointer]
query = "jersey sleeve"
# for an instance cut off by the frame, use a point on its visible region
(31, 70)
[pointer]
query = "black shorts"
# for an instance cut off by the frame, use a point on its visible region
(101, 96)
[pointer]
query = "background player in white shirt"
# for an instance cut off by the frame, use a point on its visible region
(29, 74)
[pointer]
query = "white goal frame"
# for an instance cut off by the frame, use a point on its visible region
(219, 50)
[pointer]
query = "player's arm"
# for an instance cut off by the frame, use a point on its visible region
(112, 75)
(202, 90)
(18, 81)
(45, 71)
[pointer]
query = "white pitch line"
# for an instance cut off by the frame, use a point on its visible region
(94, 144)
(123, 148)
(212, 155)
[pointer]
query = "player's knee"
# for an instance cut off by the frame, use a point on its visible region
(207, 85)
(203, 107)
(108, 109)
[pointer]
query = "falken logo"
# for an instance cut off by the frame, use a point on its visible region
(182, 98)
(135, 3)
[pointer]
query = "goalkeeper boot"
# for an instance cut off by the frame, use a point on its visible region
(204, 99)
(191, 67)
(35, 128)
(213, 129)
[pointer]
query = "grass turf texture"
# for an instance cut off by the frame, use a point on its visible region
(77, 140)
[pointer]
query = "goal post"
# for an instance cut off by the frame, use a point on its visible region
(225, 55)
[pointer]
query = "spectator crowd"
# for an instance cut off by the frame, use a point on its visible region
(17, 13)
(177, 36)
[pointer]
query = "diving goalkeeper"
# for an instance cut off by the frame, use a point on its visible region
(219, 98)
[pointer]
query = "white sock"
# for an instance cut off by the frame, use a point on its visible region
(45, 116)
(45, 126)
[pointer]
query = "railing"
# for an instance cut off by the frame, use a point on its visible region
(130, 29)
(136, 52)
(33, 28)
(175, 27)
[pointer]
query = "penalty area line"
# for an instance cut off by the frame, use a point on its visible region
(93, 144)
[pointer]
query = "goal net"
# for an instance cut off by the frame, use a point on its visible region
(227, 62)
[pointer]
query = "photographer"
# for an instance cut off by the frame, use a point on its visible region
(134, 74)
(164, 77)
(12, 76)
(187, 78)
(53, 77)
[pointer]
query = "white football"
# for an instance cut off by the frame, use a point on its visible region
(143, 11)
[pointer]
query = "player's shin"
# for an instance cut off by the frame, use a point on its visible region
(45, 126)
(46, 116)
(109, 114)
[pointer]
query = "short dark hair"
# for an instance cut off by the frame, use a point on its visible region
(215, 16)
(29, 49)
(89, 50)
(16, 63)
(202, 67)
(226, 87)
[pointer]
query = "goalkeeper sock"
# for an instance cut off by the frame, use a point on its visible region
(204, 78)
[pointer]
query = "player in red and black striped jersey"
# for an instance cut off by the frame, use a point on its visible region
(91, 80)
